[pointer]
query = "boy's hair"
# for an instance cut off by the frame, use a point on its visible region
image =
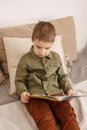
(44, 31)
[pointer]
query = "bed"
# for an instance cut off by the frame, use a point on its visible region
(13, 114)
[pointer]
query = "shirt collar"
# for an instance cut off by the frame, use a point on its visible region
(35, 56)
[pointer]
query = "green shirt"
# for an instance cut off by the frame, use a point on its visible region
(41, 75)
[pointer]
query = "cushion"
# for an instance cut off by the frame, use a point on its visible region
(64, 26)
(16, 47)
(2, 78)
(85, 49)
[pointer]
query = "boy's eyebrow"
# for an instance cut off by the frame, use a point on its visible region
(48, 47)
(42, 47)
(38, 46)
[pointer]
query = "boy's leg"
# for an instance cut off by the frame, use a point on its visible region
(64, 113)
(41, 112)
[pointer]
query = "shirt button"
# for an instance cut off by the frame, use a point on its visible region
(44, 61)
(55, 64)
(50, 64)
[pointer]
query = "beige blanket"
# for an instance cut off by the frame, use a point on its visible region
(14, 116)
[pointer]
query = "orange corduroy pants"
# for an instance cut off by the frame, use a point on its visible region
(48, 113)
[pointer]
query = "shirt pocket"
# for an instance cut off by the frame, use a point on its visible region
(53, 67)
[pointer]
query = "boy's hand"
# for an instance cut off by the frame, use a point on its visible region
(70, 93)
(25, 96)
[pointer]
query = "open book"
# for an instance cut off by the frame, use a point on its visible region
(56, 98)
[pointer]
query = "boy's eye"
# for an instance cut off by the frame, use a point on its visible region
(38, 47)
(47, 48)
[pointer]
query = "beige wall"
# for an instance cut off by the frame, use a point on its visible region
(16, 12)
(21, 11)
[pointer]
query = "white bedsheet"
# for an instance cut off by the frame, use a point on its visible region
(80, 104)
(14, 116)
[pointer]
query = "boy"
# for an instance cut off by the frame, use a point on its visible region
(40, 71)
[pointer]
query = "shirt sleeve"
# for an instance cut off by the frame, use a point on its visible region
(63, 79)
(21, 77)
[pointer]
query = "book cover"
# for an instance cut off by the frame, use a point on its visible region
(56, 98)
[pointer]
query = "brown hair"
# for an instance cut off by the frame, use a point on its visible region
(44, 31)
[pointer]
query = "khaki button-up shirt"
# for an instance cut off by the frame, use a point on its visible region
(43, 76)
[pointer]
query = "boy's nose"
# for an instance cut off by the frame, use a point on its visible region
(42, 51)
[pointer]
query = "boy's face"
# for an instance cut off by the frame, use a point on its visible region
(41, 48)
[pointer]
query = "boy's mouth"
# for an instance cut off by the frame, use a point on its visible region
(41, 55)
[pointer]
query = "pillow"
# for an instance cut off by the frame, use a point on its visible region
(66, 28)
(16, 47)
(2, 78)
(85, 49)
